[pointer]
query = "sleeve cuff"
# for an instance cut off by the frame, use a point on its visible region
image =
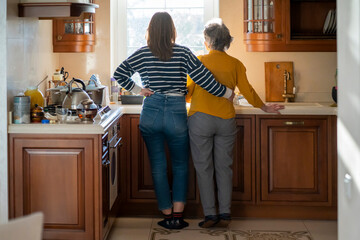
(136, 89)
(228, 93)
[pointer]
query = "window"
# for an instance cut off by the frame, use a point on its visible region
(130, 19)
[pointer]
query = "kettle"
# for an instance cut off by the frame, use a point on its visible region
(74, 95)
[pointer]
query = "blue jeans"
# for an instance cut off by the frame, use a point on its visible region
(164, 119)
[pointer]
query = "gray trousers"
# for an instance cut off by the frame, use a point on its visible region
(212, 142)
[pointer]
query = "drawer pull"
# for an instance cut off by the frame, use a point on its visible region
(289, 123)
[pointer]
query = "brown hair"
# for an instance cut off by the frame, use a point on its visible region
(161, 35)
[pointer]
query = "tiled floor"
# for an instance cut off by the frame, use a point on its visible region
(239, 229)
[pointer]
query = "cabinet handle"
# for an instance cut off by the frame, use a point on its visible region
(278, 36)
(289, 123)
(59, 37)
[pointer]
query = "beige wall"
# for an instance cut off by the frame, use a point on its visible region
(313, 72)
(83, 65)
(29, 52)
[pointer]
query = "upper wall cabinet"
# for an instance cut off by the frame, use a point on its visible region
(290, 25)
(73, 22)
(49, 10)
(74, 34)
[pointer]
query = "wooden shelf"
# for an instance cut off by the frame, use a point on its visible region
(55, 10)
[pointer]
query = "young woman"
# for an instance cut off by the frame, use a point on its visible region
(212, 126)
(163, 67)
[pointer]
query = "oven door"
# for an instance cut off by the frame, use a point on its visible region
(113, 176)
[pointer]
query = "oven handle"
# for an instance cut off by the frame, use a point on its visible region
(117, 143)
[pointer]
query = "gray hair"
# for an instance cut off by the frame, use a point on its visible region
(217, 35)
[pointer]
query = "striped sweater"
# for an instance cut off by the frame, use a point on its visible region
(166, 77)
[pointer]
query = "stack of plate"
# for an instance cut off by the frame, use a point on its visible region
(330, 23)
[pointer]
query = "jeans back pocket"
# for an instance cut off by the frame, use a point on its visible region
(147, 119)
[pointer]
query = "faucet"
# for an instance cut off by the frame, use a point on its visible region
(289, 97)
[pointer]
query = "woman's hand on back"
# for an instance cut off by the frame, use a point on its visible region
(146, 92)
(272, 108)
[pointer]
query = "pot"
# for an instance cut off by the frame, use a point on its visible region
(86, 110)
(57, 94)
(96, 92)
(74, 96)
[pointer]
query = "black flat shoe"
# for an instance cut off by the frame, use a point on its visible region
(179, 223)
(224, 220)
(209, 221)
(166, 223)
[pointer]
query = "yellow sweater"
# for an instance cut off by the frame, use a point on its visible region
(228, 71)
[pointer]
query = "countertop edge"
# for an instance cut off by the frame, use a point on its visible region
(99, 127)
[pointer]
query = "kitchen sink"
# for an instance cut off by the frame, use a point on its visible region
(299, 104)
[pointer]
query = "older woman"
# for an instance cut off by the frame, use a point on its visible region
(212, 126)
(163, 67)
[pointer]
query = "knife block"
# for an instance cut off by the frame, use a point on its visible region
(274, 80)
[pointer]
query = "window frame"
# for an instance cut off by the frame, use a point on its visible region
(118, 27)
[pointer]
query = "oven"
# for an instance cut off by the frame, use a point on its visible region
(114, 145)
(111, 142)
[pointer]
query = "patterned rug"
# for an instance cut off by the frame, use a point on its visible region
(218, 234)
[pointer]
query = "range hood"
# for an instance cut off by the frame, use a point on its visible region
(55, 9)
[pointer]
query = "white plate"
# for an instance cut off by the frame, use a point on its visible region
(327, 22)
(334, 29)
(331, 24)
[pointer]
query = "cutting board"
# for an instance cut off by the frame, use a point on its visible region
(274, 80)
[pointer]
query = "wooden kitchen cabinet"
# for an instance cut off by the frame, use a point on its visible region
(74, 34)
(284, 167)
(139, 197)
(244, 161)
(288, 26)
(56, 175)
(64, 176)
(296, 164)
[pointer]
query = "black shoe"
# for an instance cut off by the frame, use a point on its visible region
(224, 220)
(166, 223)
(209, 221)
(179, 223)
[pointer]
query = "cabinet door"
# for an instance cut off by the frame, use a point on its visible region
(293, 165)
(56, 177)
(140, 179)
(74, 34)
(244, 160)
(263, 24)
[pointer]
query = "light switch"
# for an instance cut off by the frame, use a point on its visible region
(348, 185)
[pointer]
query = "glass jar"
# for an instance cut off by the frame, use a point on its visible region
(36, 96)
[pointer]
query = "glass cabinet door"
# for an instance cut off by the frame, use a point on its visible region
(263, 18)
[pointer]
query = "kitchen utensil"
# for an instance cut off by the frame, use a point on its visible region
(74, 96)
(62, 114)
(37, 114)
(58, 93)
(21, 109)
(36, 96)
(42, 80)
(96, 92)
(274, 80)
(132, 99)
(65, 74)
(86, 110)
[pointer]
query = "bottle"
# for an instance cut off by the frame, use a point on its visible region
(36, 96)
(21, 109)
(57, 77)
(37, 114)
(114, 90)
